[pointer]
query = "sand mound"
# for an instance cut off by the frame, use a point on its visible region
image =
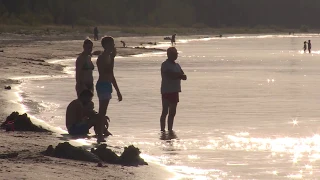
(129, 157)
(105, 154)
(67, 151)
(17, 122)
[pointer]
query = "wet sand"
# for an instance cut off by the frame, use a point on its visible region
(26, 56)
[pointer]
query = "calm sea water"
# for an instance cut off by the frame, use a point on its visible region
(249, 109)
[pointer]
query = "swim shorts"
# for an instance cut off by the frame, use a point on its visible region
(79, 129)
(171, 97)
(104, 90)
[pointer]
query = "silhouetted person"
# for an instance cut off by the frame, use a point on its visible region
(305, 46)
(123, 43)
(309, 46)
(171, 75)
(96, 33)
(80, 116)
(173, 39)
(106, 81)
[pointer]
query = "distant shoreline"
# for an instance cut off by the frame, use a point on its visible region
(129, 31)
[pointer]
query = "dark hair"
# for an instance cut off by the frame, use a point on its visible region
(87, 41)
(86, 93)
(107, 40)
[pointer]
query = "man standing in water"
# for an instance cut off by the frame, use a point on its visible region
(173, 39)
(171, 74)
(309, 46)
(105, 64)
(96, 34)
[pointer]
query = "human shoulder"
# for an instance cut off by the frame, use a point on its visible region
(99, 58)
(164, 63)
(75, 104)
(81, 59)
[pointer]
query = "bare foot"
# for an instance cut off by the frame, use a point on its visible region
(106, 132)
(100, 140)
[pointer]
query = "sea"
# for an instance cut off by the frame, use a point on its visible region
(250, 108)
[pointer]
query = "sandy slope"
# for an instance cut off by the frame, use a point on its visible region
(26, 55)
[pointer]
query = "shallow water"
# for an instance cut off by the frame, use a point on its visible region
(249, 109)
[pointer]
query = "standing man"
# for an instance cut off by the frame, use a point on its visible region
(309, 46)
(107, 80)
(96, 34)
(171, 74)
(173, 39)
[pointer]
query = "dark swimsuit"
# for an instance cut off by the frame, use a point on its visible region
(87, 66)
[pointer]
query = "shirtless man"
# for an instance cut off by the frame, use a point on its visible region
(80, 117)
(84, 69)
(105, 64)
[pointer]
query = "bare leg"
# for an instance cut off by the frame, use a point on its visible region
(95, 122)
(165, 107)
(103, 106)
(172, 113)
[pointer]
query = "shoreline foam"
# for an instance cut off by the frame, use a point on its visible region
(35, 142)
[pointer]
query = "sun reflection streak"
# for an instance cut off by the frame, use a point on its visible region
(294, 121)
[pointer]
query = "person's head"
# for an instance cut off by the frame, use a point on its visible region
(85, 97)
(309, 40)
(172, 53)
(108, 43)
(87, 46)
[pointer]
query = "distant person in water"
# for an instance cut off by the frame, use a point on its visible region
(173, 39)
(309, 46)
(171, 74)
(84, 69)
(305, 46)
(123, 43)
(96, 34)
(80, 116)
(107, 80)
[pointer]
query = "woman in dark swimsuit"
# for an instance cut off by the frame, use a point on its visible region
(84, 69)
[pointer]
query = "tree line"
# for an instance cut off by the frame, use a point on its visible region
(171, 13)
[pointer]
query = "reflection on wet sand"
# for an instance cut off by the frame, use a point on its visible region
(168, 135)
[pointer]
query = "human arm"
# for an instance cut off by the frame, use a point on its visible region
(114, 53)
(74, 114)
(172, 73)
(79, 65)
(114, 83)
(183, 76)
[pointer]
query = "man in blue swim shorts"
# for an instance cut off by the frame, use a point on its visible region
(106, 81)
(80, 116)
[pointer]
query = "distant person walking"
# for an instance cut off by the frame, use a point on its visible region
(309, 46)
(171, 74)
(96, 34)
(123, 44)
(173, 39)
(305, 46)
(84, 69)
